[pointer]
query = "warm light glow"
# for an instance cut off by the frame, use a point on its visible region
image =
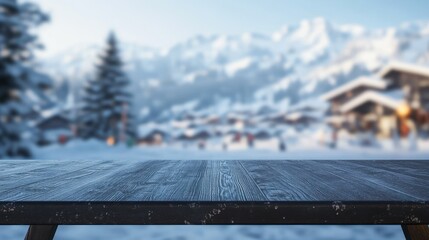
(239, 125)
(110, 141)
(403, 111)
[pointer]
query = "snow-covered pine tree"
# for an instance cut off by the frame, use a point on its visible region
(107, 100)
(21, 87)
(90, 112)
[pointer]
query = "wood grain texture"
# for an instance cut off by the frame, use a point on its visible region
(214, 192)
(214, 181)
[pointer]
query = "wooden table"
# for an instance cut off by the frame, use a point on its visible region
(45, 194)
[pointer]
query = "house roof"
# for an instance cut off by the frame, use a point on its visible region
(390, 99)
(361, 81)
(309, 105)
(336, 119)
(143, 130)
(403, 67)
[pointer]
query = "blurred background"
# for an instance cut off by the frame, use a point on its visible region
(140, 79)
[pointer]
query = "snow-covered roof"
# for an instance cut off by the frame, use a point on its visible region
(144, 130)
(309, 104)
(336, 119)
(391, 99)
(294, 116)
(47, 113)
(361, 81)
(404, 67)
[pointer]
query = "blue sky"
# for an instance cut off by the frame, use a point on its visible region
(161, 23)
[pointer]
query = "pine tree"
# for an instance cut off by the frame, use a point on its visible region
(107, 101)
(90, 113)
(21, 87)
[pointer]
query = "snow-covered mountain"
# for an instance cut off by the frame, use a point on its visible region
(249, 71)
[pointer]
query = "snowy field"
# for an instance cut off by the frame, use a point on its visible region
(310, 150)
(302, 150)
(215, 232)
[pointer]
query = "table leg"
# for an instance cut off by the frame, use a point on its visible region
(41, 232)
(416, 232)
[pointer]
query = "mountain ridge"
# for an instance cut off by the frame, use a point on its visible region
(297, 62)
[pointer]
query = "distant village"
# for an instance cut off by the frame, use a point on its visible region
(391, 104)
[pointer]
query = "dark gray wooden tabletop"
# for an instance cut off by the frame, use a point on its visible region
(167, 192)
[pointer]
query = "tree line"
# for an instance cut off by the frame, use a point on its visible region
(106, 108)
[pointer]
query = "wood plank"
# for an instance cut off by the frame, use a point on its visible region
(324, 181)
(126, 182)
(53, 181)
(215, 181)
(364, 187)
(205, 181)
(404, 181)
(282, 182)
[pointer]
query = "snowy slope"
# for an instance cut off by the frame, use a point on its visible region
(299, 61)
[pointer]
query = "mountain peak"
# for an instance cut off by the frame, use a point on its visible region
(300, 60)
(319, 22)
(303, 29)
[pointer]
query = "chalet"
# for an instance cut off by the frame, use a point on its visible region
(202, 135)
(212, 120)
(280, 118)
(295, 118)
(54, 127)
(261, 133)
(152, 134)
(300, 118)
(381, 103)
(339, 96)
(194, 134)
(413, 80)
(154, 137)
(186, 117)
(233, 120)
(53, 123)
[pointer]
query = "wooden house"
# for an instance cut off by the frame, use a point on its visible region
(373, 111)
(153, 137)
(381, 103)
(300, 119)
(296, 118)
(153, 134)
(212, 120)
(54, 128)
(342, 94)
(412, 79)
(54, 122)
(194, 134)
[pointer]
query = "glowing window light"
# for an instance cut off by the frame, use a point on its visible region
(403, 110)
(110, 141)
(239, 125)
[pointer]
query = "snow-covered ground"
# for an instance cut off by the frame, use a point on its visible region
(307, 145)
(215, 232)
(95, 151)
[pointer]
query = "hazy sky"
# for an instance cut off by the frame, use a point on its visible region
(161, 23)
